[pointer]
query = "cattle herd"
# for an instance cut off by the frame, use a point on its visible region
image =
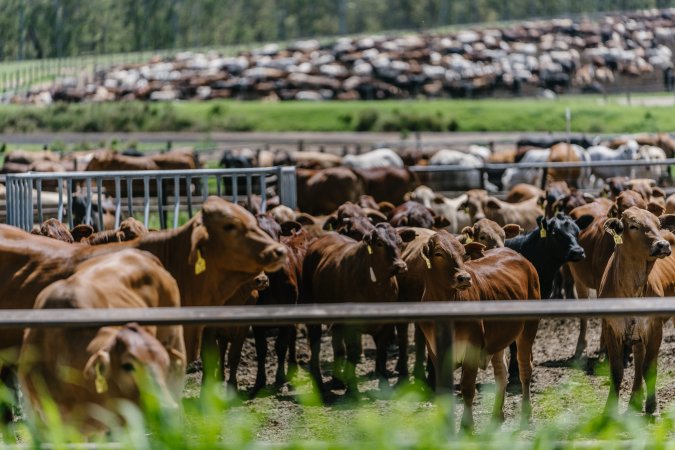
(367, 230)
(612, 54)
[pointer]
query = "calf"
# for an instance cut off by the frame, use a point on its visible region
(489, 233)
(479, 205)
(338, 269)
(442, 206)
(639, 243)
(105, 364)
(442, 269)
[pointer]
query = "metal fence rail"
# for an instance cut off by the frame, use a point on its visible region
(169, 191)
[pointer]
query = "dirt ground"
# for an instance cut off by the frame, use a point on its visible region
(560, 385)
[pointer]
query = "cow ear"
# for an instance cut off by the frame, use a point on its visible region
(376, 216)
(541, 222)
(407, 234)
(655, 208)
(330, 224)
(81, 231)
(474, 250)
(305, 219)
(441, 221)
(613, 226)
(658, 192)
(97, 366)
(588, 197)
(668, 222)
(468, 231)
(199, 236)
(438, 199)
(584, 221)
(407, 196)
(386, 208)
(652, 183)
(290, 227)
(511, 230)
(613, 211)
(493, 203)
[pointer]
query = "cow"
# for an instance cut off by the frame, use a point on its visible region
(626, 152)
(322, 192)
(442, 269)
(563, 152)
(129, 229)
(381, 157)
(337, 268)
(517, 175)
(53, 228)
(442, 206)
(521, 192)
(387, 184)
(554, 191)
(638, 244)
(479, 205)
(413, 214)
(651, 153)
(468, 179)
(489, 233)
(88, 368)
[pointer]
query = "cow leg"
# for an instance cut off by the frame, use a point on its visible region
(653, 345)
(402, 364)
(261, 358)
(292, 354)
(382, 339)
(525, 342)
(234, 357)
(467, 385)
(420, 354)
(501, 378)
(582, 293)
(637, 395)
(338, 335)
(281, 347)
(171, 338)
(615, 354)
(352, 339)
(9, 380)
(314, 338)
(212, 368)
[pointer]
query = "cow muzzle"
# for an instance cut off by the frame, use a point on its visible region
(462, 281)
(400, 267)
(660, 249)
(576, 254)
(274, 258)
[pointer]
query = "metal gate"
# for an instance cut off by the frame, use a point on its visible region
(89, 196)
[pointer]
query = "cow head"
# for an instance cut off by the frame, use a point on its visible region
(614, 186)
(54, 229)
(444, 256)
(384, 249)
(475, 203)
(567, 203)
(489, 233)
(412, 214)
(625, 200)
(423, 195)
(559, 236)
(269, 225)
(130, 229)
(638, 231)
(227, 237)
(132, 360)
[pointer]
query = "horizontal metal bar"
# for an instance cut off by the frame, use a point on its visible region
(144, 173)
(340, 312)
(544, 165)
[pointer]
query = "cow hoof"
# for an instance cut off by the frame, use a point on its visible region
(650, 406)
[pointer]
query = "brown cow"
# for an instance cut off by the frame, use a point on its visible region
(563, 152)
(54, 229)
(104, 364)
(639, 244)
(523, 191)
(438, 272)
(479, 205)
(387, 184)
(322, 192)
(413, 214)
(489, 233)
(336, 269)
(210, 257)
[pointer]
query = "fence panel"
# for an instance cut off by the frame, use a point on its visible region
(94, 197)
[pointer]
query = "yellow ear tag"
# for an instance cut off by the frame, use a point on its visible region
(468, 239)
(426, 260)
(330, 227)
(618, 240)
(542, 233)
(370, 250)
(200, 265)
(101, 383)
(465, 210)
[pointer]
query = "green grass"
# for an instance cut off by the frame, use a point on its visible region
(591, 114)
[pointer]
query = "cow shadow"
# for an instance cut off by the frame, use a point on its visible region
(586, 364)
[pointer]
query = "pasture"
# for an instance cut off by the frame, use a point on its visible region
(590, 114)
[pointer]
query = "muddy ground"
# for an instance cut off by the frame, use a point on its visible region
(561, 387)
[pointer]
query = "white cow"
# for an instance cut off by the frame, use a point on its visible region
(626, 152)
(381, 157)
(443, 206)
(515, 175)
(456, 181)
(650, 153)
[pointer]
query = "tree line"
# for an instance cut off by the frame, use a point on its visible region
(32, 29)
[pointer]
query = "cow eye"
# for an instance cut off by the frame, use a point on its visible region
(128, 367)
(438, 255)
(633, 227)
(229, 227)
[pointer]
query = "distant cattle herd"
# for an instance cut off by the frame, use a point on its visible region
(366, 229)
(616, 53)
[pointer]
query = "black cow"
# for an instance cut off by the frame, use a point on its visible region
(553, 243)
